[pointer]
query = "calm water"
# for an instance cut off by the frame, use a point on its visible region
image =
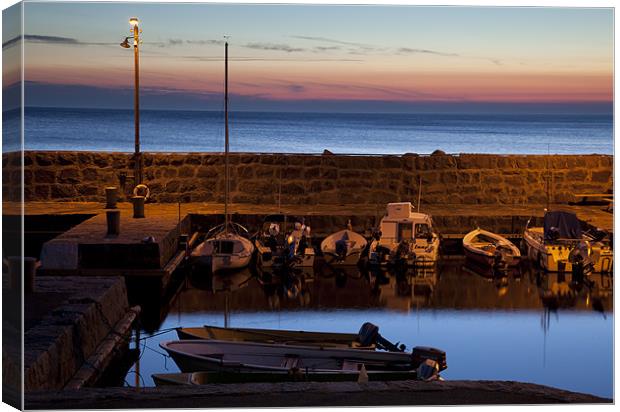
(182, 131)
(529, 327)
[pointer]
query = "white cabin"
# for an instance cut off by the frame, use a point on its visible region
(402, 223)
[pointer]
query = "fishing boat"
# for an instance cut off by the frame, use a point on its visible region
(204, 378)
(273, 336)
(404, 236)
(490, 249)
(560, 243)
(278, 244)
(226, 246)
(344, 247)
(230, 356)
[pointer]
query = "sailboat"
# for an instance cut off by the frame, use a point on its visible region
(226, 246)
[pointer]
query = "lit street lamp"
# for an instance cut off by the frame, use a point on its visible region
(135, 30)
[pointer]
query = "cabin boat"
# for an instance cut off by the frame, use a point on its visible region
(490, 249)
(344, 247)
(560, 244)
(224, 249)
(273, 336)
(230, 356)
(405, 236)
(277, 244)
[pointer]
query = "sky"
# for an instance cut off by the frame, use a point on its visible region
(313, 57)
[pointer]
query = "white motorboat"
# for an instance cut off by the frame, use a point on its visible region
(405, 236)
(226, 246)
(560, 244)
(490, 249)
(344, 247)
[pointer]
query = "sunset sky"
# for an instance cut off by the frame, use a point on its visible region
(311, 57)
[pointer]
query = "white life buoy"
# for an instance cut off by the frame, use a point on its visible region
(142, 187)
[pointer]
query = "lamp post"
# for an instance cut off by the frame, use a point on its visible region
(135, 30)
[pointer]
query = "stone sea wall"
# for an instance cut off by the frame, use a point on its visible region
(314, 179)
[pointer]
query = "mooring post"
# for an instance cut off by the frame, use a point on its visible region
(111, 197)
(138, 206)
(113, 218)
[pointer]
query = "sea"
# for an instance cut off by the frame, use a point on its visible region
(346, 133)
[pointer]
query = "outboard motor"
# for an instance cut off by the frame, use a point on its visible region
(341, 248)
(369, 334)
(420, 354)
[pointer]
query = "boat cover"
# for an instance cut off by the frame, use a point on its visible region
(566, 223)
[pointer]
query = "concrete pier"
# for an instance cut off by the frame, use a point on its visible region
(69, 322)
(297, 394)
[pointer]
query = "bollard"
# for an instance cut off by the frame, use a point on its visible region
(29, 274)
(111, 197)
(138, 206)
(15, 273)
(113, 218)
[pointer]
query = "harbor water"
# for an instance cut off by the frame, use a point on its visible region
(526, 326)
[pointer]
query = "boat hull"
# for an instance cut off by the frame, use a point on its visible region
(215, 355)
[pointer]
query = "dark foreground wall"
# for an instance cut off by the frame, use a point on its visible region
(316, 179)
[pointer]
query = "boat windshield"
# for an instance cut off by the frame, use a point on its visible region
(224, 246)
(422, 230)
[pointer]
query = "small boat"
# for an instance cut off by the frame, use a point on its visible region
(278, 244)
(272, 336)
(205, 378)
(344, 247)
(227, 246)
(229, 356)
(224, 249)
(560, 244)
(490, 249)
(405, 236)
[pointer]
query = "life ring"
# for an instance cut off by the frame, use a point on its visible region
(144, 187)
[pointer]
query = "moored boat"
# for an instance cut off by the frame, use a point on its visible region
(224, 249)
(272, 336)
(218, 355)
(560, 244)
(278, 244)
(344, 247)
(405, 236)
(490, 249)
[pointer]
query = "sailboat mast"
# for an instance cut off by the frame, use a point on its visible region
(227, 187)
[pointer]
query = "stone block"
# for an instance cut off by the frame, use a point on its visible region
(70, 175)
(186, 171)
(63, 191)
(601, 176)
(44, 159)
(44, 176)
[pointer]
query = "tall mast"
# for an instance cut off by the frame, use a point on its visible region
(227, 187)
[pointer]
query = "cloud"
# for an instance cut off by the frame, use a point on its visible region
(296, 88)
(328, 40)
(407, 50)
(38, 38)
(274, 46)
(265, 59)
(206, 42)
(326, 48)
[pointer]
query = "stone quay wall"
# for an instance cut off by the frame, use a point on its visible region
(314, 179)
